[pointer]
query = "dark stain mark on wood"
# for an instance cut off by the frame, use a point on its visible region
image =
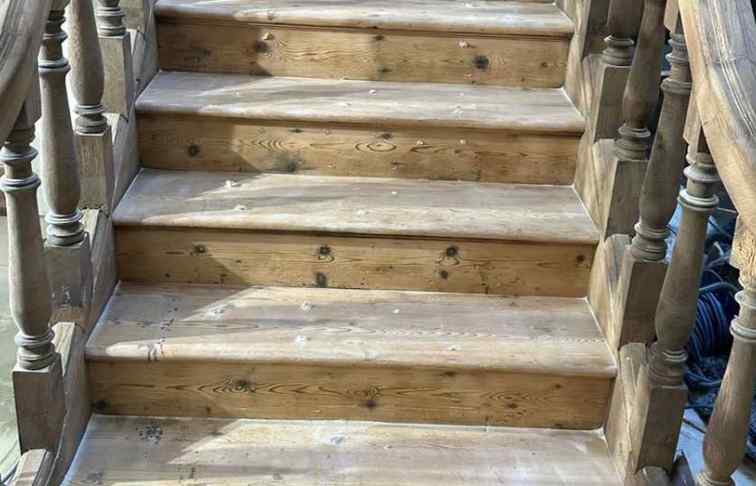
(444, 274)
(193, 150)
(321, 280)
(100, 405)
(379, 37)
(261, 47)
(199, 249)
(371, 404)
(481, 62)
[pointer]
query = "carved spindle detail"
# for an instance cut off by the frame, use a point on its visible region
(658, 201)
(88, 77)
(642, 85)
(725, 441)
(60, 165)
(622, 28)
(110, 18)
(29, 287)
(661, 390)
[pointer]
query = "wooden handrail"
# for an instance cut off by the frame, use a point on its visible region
(721, 40)
(20, 38)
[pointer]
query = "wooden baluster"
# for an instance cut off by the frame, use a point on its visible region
(67, 244)
(93, 134)
(115, 42)
(661, 392)
(622, 24)
(641, 92)
(660, 186)
(644, 263)
(725, 441)
(37, 376)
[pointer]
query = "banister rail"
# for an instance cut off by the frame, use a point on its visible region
(20, 38)
(722, 47)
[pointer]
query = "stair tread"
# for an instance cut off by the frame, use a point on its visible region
(355, 205)
(492, 17)
(228, 452)
(334, 327)
(378, 103)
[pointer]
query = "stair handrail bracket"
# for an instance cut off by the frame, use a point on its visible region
(721, 39)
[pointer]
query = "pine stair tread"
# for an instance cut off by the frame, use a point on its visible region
(167, 451)
(374, 103)
(355, 206)
(335, 327)
(490, 17)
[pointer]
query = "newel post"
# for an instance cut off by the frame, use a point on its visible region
(115, 42)
(37, 376)
(622, 24)
(661, 392)
(725, 441)
(67, 245)
(94, 139)
(644, 263)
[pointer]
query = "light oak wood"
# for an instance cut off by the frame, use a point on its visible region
(353, 128)
(285, 99)
(721, 40)
(316, 353)
(527, 45)
(168, 452)
(537, 18)
(355, 205)
(354, 233)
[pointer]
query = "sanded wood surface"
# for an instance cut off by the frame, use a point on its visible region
(360, 102)
(352, 205)
(380, 328)
(234, 145)
(357, 128)
(372, 54)
(168, 452)
(194, 255)
(478, 16)
(335, 354)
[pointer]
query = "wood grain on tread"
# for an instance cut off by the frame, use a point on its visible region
(334, 354)
(223, 43)
(357, 206)
(491, 17)
(535, 335)
(172, 452)
(388, 104)
(356, 128)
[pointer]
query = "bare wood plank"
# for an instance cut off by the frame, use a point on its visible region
(236, 258)
(479, 17)
(212, 144)
(329, 326)
(361, 102)
(537, 62)
(355, 392)
(354, 205)
(223, 452)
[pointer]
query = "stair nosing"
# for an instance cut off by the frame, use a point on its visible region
(150, 102)
(129, 212)
(199, 351)
(181, 13)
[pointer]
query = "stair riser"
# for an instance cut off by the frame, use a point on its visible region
(243, 258)
(225, 144)
(299, 391)
(538, 62)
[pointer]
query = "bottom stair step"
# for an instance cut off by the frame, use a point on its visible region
(127, 451)
(395, 356)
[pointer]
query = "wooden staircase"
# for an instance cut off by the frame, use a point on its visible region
(353, 255)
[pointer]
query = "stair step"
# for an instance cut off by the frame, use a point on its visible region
(289, 353)
(234, 122)
(351, 232)
(174, 451)
(480, 41)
